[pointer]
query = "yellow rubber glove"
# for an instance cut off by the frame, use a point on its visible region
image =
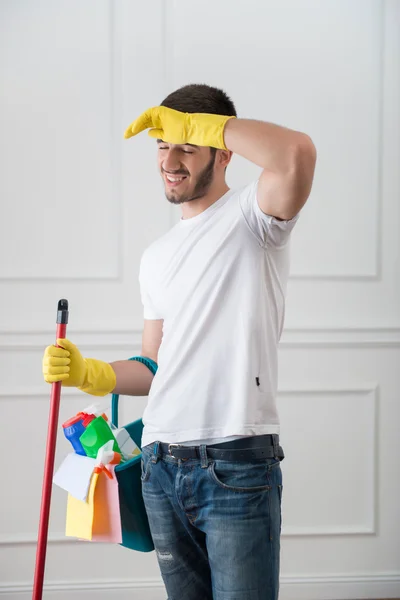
(176, 127)
(67, 364)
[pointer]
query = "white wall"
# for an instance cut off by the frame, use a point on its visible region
(79, 204)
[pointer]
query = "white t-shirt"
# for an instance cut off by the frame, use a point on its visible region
(218, 280)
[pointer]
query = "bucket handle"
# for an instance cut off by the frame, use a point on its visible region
(115, 397)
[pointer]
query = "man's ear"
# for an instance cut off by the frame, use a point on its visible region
(224, 157)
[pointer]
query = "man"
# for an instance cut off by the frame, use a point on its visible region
(213, 290)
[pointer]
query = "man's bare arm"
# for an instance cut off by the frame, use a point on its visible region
(288, 158)
(133, 377)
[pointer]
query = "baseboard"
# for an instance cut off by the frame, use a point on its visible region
(89, 590)
(333, 587)
(341, 587)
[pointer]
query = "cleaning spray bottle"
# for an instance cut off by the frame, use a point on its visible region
(73, 429)
(96, 434)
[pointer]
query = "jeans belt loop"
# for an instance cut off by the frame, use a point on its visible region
(276, 446)
(203, 456)
(156, 452)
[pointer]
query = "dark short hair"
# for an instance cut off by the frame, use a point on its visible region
(200, 98)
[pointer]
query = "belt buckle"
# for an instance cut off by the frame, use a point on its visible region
(169, 449)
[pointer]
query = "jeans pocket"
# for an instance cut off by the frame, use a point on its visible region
(241, 476)
(280, 490)
(145, 464)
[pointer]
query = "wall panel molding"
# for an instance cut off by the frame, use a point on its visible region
(293, 587)
(354, 389)
(362, 388)
(296, 337)
(350, 337)
(376, 272)
(114, 132)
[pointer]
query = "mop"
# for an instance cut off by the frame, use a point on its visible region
(62, 320)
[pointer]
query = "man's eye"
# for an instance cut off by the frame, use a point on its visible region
(163, 147)
(187, 152)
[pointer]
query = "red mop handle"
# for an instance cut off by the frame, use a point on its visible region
(62, 320)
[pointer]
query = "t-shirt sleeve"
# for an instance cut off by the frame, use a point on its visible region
(149, 309)
(269, 230)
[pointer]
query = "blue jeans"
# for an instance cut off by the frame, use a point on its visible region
(215, 524)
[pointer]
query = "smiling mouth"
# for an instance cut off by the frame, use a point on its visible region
(174, 180)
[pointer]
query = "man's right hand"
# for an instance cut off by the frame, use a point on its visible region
(66, 364)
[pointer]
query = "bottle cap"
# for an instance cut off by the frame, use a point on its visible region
(88, 419)
(78, 417)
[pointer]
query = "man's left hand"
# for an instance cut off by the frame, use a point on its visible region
(175, 127)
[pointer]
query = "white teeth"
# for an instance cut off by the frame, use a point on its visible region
(173, 179)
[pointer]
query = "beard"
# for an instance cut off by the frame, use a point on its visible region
(202, 185)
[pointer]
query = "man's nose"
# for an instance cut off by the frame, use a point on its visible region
(171, 162)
